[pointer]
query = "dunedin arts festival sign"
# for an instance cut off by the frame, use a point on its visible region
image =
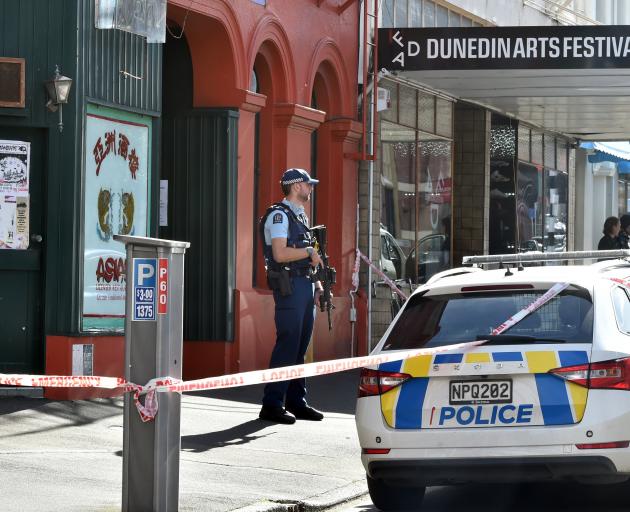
(417, 49)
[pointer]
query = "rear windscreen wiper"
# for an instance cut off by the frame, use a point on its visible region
(499, 339)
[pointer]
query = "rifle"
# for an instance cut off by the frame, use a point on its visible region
(326, 274)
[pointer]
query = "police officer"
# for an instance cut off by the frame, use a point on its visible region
(290, 259)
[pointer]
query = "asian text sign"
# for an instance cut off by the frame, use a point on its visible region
(116, 202)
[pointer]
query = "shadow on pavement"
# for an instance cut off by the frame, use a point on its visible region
(336, 393)
(9, 405)
(239, 434)
(67, 413)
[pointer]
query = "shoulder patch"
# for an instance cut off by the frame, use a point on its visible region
(277, 218)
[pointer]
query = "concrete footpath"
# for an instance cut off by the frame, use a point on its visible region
(67, 456)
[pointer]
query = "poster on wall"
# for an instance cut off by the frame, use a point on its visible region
(116, 202)
(14, 175)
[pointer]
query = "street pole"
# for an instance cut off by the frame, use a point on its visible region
(153, 348)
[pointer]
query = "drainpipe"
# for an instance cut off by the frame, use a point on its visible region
(370, 229)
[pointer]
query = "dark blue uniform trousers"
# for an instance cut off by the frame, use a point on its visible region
(295, 314)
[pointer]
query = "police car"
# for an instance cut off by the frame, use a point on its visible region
(547, 399)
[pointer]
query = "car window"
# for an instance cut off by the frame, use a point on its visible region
(393, 253)
(385, 248)
(440, 320)
(621, 303)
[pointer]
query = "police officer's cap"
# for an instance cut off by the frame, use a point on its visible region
(292, 176)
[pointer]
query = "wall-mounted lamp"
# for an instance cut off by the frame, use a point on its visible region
(58, 89)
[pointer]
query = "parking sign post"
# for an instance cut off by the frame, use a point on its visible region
(153, 348)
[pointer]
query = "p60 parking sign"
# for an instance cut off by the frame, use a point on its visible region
(144, 288)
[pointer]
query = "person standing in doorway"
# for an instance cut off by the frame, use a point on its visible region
(610, 240)
(290, 259)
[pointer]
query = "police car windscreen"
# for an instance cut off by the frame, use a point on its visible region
(445, 319)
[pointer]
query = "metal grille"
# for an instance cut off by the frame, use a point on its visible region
(444, 118)
(407, 109)
(550, 152)
(426, 113)
(523, 143)
(537, 147)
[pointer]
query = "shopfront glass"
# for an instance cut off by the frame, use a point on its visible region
(416, 198)
(502, 185)
(623, 191)
(542, 192)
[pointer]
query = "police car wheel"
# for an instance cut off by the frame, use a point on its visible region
(388, 497)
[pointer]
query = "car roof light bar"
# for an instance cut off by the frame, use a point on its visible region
(544, 256)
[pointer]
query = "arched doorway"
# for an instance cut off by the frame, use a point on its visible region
(199, 158)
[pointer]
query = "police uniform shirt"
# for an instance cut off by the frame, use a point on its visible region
(277, 223)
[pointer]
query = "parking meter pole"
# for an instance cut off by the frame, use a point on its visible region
(153, 348)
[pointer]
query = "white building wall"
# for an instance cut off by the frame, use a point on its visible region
(596, 197)
(504, 12)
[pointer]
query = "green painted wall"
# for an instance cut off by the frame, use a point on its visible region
(49, 32)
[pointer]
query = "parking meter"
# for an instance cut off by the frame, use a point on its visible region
(153, 348)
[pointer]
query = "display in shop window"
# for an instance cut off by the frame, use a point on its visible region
(14, 198)
(116, 203)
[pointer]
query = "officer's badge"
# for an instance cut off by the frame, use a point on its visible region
(277, 218)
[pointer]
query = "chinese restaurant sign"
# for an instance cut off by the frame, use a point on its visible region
(14, 198)
(115, 203)
(559, 47)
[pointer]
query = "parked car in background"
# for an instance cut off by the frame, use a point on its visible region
(392, 261)
(427, 258)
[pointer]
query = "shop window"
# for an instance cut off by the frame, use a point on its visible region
(556, 210)
(415, 12)
(401, 13)
(444, 117)
(387, 13)
(407, 106)
(426, 113)
(537, 147)
(466, 22)
(502, 185)
(623, 195)
(454, 19)
(529, 206)
(524, 143)
(550, 151)
(562, 156)
(429, 13)
(388, 208)
(390, 113)
(441, 17)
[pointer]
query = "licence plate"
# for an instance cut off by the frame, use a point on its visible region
(480, 392)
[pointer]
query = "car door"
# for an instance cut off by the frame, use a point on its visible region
(387, 265)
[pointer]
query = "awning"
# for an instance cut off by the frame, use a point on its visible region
(617, 152)
(573, 80)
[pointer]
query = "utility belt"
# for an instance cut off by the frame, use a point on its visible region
(280, 279)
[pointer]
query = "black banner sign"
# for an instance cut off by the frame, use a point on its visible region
(558, 47)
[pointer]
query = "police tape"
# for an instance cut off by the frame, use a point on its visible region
(148, 410)
(387, 280)
(543, 299)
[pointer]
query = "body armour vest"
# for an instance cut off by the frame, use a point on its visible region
(299, 236)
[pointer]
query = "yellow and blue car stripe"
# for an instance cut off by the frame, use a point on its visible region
(554, 401)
